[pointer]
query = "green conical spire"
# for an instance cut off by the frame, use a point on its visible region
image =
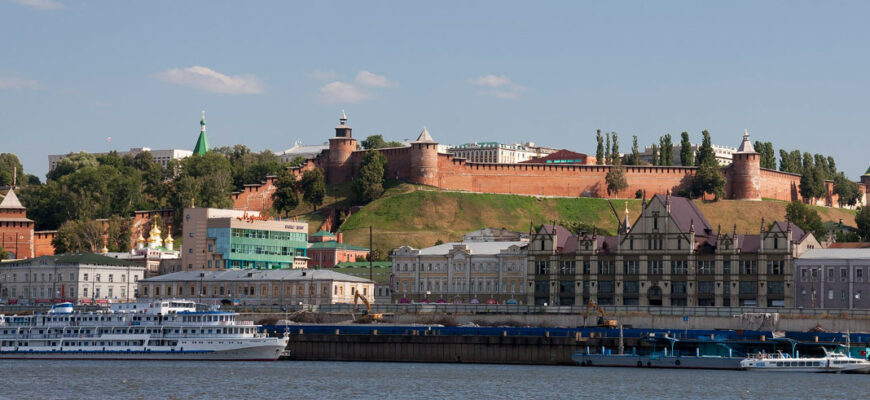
(868, 172)
(202, 142)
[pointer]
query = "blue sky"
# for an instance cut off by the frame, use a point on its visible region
(270, 73)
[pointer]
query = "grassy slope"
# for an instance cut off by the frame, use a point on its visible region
(420, 218)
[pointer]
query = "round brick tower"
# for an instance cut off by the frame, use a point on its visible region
(341, 147)
(424, 160)
(746, 172)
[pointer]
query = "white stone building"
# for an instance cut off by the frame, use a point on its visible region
(259, 287)
(461, 272)
(162, 157)
(79, 277)
(500, 153)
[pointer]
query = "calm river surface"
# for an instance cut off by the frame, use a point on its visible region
(328, 380)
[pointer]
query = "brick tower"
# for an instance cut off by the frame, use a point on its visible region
(424, 160)
(746, 172)
(16, 230)
(340, 149)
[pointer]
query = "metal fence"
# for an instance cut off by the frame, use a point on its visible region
(420, 308)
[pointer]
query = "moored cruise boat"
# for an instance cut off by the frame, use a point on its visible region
(156, 330)
(831, 362)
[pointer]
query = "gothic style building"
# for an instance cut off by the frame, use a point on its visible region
(671, 256)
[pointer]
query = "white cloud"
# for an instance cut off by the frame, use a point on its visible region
(11, 83)
(44, 5)
(212, 81)
(366, 78)
(345, 92)
(498, 86)
(324, 75)
(341, 92)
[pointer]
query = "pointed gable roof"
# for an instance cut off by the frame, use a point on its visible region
(11, 201)
(425, 137)
(684, 212)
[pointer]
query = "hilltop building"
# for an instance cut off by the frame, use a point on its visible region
(215, 239)
(563, 157)
(259, 287)
(494, 168)
(161, 157)
(76, 277)
(500, 153)
(724, 154)
(300, 150)
(325, 250)
(670, 256)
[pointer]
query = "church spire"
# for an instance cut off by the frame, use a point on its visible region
(202, 142)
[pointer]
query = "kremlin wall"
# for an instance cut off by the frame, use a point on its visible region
(422, 164)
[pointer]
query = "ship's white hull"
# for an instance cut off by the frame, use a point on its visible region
(264, 350)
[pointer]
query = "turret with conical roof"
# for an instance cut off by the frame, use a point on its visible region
(341, 147)
(202, 142)
(745, 171)
(424, 159)
(865, 179)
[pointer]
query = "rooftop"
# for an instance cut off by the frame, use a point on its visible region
(77, 258)
(839, 254)
(11, 201)
(234, 275)
(476, 248)
(335, 245)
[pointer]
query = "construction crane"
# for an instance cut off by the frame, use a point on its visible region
(603, 321)
(368, 316)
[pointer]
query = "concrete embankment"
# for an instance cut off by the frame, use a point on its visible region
(755, 321)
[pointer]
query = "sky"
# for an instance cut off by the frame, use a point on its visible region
(75, 73)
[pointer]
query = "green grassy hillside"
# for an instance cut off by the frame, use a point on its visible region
(420, 218)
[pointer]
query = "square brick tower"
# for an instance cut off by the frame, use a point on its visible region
(16, 231)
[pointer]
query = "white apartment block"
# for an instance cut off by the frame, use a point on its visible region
(500, 153)
(161, 157)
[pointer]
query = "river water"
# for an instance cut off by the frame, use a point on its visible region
(25, 379)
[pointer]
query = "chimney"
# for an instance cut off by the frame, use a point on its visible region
(340, 237)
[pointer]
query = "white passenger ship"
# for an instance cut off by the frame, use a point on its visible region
(157, 330)
(831, 362)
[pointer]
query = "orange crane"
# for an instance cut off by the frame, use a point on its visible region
(603, 321)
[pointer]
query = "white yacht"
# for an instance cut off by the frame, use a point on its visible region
(831, 362)
(157, 330)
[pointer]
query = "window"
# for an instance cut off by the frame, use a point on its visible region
(705, 267)
(111, 277)
(72, 277)
(86, 279)
(748, 267)
(542, 267)
(776, 267)
(679, 267)
(678, 287)
(726, 267)
(631, 267)
(748, 288)
(803, 274)
(706, 287)
(98, 277)
(654, 267)
(859, 274)
(843, 275)
(830, 294)
(606, 267)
